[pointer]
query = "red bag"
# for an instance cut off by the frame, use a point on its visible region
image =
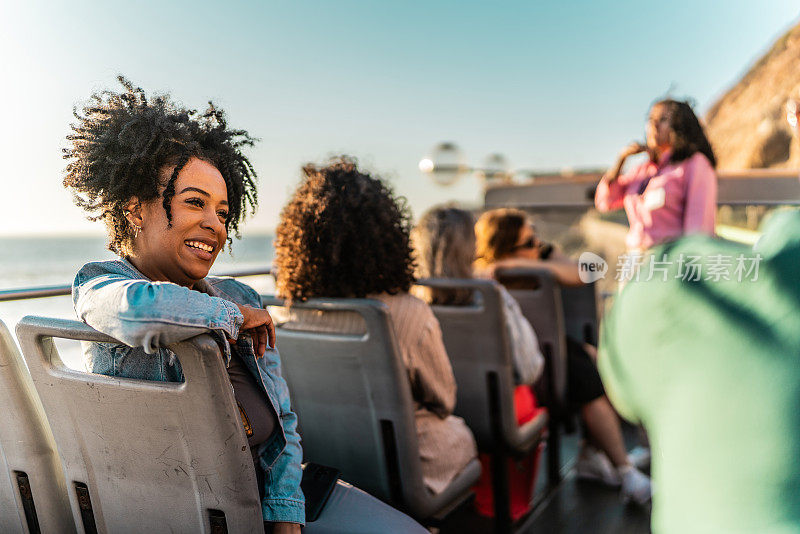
(521, 473)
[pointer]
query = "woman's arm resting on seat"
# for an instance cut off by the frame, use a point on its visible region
(148, 314)
(561, 267)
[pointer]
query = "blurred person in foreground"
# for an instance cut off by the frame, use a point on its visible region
(673, 193)
(506, 239)
(709, 365)
(344, 234)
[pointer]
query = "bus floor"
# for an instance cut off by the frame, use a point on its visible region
(572, 507)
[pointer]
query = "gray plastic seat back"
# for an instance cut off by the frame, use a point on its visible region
(478, 345)
(353, 400)
(539, 297)
(153, 456)
(581, 312)
(32, 489)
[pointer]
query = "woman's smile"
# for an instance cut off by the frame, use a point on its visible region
(201, 248)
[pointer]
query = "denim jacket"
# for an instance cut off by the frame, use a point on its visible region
(116, 299)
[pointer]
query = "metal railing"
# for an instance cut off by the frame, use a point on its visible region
(764, 187)
(38, 292)
(752, 187)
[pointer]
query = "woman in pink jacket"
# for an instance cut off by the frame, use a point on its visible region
(672, 194)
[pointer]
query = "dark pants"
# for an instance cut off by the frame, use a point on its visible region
(583, 380)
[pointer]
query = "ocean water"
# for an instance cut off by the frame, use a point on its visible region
(47, 261)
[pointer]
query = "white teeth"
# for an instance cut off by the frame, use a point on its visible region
(201, 246)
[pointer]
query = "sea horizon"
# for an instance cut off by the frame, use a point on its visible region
(54, 260)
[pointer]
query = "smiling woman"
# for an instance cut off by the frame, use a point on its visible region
(170, 184)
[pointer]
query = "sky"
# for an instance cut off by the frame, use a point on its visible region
(548, 84)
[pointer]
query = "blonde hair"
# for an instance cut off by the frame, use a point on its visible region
(444, 244)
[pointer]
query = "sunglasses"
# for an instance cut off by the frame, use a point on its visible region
(531, 242)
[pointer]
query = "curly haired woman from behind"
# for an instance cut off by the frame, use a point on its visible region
(344, 234)
(171, 184)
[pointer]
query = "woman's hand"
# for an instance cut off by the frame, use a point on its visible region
(285, 528)
(258, 323)
(633, 148)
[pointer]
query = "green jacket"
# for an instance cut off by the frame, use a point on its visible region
(711, 368)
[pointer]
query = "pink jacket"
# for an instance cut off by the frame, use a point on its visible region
(679, 198)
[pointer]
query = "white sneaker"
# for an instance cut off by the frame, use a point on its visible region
(593, 464)
(635, 486)
(639, 457)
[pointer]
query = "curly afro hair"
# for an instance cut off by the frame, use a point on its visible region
(122, 143)
(342, 234)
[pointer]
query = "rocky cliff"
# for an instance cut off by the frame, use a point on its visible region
(747, 126)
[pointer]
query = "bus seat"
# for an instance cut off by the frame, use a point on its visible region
(479, 347)
(581, 312)
(353, 400)
(142, 455)
(32, 488)
(539, 298)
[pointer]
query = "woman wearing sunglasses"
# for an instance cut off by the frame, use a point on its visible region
(505, 238)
